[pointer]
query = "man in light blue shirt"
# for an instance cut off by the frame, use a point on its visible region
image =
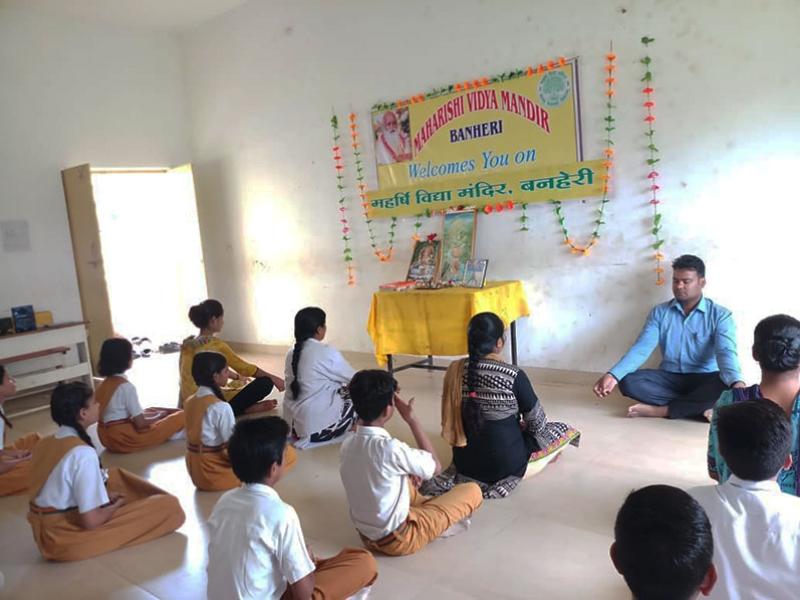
(697, 338)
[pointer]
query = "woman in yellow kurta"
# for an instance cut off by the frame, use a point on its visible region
(15, 459)
(209, 426)
(208, 316)
(77, 509)
(123, 426)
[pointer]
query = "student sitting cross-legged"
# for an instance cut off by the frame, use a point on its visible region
(317, 404)
(209, 318)
(209, 426)
(756, 526)
(123, 426)
(15, 459)
(663, 545)
(78, 510)
(256, 546)
(379, 473)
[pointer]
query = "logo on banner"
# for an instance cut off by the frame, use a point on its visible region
(554, 89)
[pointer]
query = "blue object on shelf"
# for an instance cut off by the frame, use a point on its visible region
(24, 318)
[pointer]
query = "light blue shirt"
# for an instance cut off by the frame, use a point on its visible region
(704, 341)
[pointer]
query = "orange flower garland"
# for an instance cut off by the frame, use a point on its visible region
(651, 162)
(382, 255)
(339, 166)
(608, 163)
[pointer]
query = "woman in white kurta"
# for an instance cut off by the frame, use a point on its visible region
(317, 404)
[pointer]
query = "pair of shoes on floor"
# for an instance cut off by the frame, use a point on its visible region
(169, 348)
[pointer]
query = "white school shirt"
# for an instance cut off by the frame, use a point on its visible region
(373, 468)
(255, 545)
(323, 371)
(218, 422)
(756, 530)
(76, 480)
(124, 403)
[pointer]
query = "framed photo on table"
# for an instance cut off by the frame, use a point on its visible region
(425, 259)
(475, 272)
(458, 243)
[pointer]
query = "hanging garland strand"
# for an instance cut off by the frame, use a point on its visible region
(523, 220)
(417, 226)
(608, 163)
(382, 255)
(651, 162)
(339, 166)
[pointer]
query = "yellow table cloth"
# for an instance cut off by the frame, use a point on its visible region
(434, 322)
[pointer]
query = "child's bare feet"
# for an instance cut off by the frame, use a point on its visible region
(261, 406)
(645, 410)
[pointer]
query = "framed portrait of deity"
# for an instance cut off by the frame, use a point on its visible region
(425, 259)
(458, 243)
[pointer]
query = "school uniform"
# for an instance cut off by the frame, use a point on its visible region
(386, 509)
(756, 530)
(209, 426)
(240, 396)
(119, 403)
(256, 549)
(66, 479)
(15, 481)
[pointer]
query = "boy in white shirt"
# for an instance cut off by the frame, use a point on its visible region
(381, 474)
(756, 526)
(663, 545)
(256, 546)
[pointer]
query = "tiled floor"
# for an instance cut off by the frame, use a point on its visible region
(548, 540)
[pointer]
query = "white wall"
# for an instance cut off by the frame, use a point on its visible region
(72, 93)
(261, 81)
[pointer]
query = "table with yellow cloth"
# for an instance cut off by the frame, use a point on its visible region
(434, 322)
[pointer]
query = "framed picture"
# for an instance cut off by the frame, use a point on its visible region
(425, 261)
(475, 272)
(458, 243)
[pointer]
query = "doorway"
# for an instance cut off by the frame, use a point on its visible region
(151, 251)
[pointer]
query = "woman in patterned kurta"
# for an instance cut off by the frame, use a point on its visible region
(776, 347)
(492, 418)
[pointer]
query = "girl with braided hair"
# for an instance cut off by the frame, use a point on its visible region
(776, 348)
(493, 419)
(77, 509)
(317, 405)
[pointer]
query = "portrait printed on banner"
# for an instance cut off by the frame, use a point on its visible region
(458, 242)
(424, 261)
(392, 136)
(475, 272)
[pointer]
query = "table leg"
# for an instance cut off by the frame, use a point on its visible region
(389, 363)
(513, 342)
(430, 360)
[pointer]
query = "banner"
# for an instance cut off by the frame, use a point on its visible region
(522, 122)
(558, 182)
